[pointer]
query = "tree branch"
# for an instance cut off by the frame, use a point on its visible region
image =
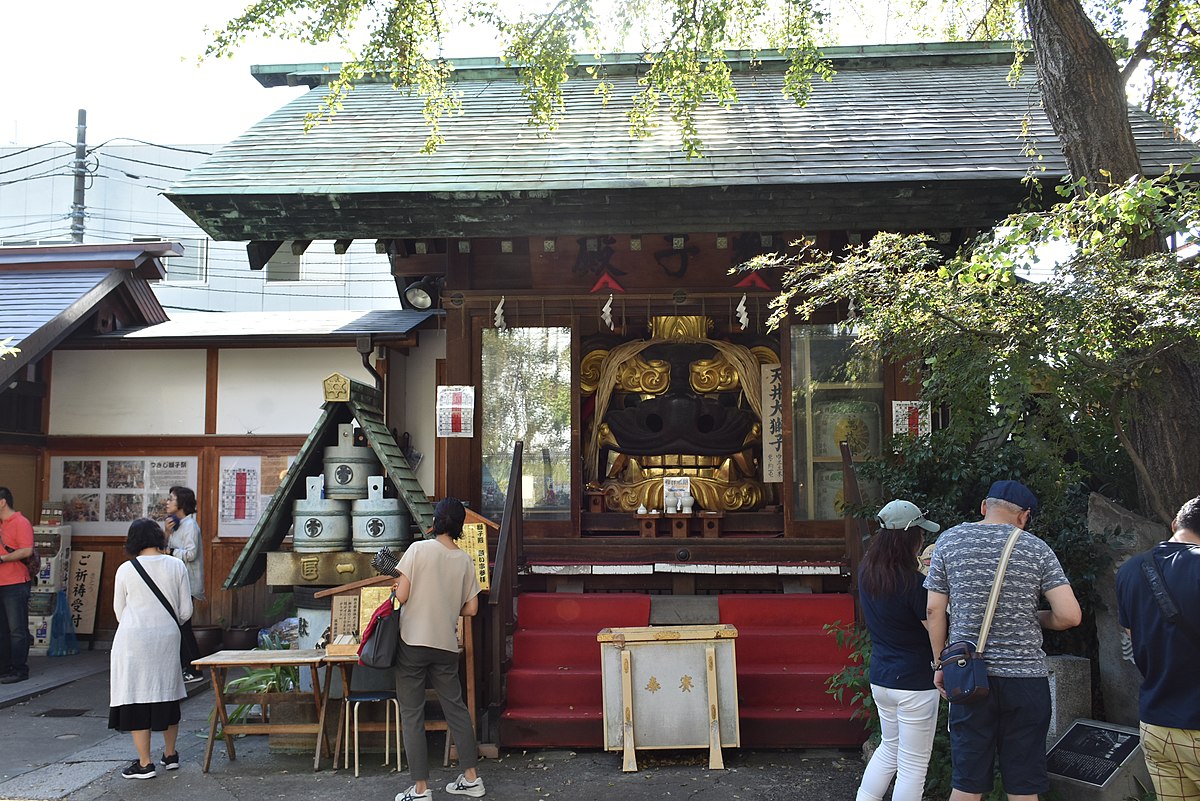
(1155, 26)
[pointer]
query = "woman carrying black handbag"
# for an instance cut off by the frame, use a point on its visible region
(151, 597)
(437, 584)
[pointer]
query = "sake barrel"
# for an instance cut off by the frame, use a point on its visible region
(346, 471)
(380, 522)
(320, 525)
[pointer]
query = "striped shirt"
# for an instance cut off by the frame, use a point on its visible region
(964, 568)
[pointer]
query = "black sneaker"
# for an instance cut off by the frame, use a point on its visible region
(189, 677)
(171, 762)
(13, 678)
(137, 770)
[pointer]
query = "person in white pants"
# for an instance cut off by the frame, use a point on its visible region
(893, 599)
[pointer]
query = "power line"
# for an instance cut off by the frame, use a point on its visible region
(34, 164)
(148, 163)
(151, 144)
(35, 147)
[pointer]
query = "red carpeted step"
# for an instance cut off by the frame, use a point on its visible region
(780, 644)
(556, 727)
(789, 610)
(823, 727)
(785, 686)
(555, 647)
(572, 688)
(582, 612)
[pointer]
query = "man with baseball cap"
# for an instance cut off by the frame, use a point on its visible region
(1012, 721)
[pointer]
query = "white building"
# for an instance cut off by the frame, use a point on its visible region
(124, 203)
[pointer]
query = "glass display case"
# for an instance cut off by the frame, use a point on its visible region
(837, 395)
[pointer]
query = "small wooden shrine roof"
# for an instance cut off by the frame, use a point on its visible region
(47, 292)
(361, 404)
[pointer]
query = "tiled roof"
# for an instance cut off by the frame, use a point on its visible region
(877, 121)
(47, 292)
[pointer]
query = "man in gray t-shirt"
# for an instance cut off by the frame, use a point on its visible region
(1012, 721)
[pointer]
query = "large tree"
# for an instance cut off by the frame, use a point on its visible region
(1152, 387)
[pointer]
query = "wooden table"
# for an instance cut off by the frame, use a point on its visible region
(345, 664)
(218, 665)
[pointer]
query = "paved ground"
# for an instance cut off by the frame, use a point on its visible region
(56, 745)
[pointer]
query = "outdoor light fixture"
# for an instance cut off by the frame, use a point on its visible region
(422, 294)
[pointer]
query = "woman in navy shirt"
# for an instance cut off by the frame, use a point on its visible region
(893, 602)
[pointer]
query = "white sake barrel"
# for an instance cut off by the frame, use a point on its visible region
(320, 525)
(346, 471)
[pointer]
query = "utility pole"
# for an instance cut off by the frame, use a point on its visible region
(79, 169)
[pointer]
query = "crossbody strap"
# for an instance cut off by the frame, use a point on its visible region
(1162, 595)
(154, 588)
(994, 598)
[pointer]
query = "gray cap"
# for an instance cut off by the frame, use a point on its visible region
(903, 515)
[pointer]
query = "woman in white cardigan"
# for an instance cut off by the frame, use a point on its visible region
(145, 684)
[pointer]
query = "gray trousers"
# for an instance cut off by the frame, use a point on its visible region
(414, 665)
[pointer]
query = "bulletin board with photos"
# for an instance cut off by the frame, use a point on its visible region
(101, 495)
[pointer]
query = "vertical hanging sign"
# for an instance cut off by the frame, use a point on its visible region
(455, 411)
(772, 442)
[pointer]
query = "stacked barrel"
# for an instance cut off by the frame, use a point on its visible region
(344, 510)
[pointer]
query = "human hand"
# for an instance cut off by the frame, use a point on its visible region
(939, 682)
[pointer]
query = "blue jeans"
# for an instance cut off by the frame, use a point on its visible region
(14, 628)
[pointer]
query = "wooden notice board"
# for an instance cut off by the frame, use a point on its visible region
(474, 542)
(83, 589)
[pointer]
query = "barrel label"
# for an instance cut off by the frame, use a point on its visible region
(313, 527)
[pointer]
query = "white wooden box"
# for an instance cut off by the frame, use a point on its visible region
(670, 687)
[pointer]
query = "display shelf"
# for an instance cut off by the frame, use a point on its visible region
(838, 397)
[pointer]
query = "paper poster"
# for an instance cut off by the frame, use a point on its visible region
(772, 441)
(239, 495)
(911, 417)
(675, 489)
(455, 411)
(83, 589)
(474, 542)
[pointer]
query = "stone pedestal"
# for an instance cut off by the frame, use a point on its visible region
(1070, 693)
(1128, 534)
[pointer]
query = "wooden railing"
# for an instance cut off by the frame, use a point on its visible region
(857, 530)
(502, 596)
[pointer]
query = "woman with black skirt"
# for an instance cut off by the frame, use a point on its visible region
(145, 684)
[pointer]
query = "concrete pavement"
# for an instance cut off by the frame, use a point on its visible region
(56, 745)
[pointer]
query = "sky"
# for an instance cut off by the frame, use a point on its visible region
(132, 64)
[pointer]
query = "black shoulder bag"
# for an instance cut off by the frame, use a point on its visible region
(1166, 603)
(157, 592)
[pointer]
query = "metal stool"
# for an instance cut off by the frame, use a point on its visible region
(351, 704)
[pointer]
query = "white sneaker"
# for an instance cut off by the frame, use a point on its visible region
(461, 786)
(411, 794)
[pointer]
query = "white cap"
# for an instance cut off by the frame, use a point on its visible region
(904, 515)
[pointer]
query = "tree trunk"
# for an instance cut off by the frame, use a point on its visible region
(1165, 430)
(1082, 93)
(1084, 98)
